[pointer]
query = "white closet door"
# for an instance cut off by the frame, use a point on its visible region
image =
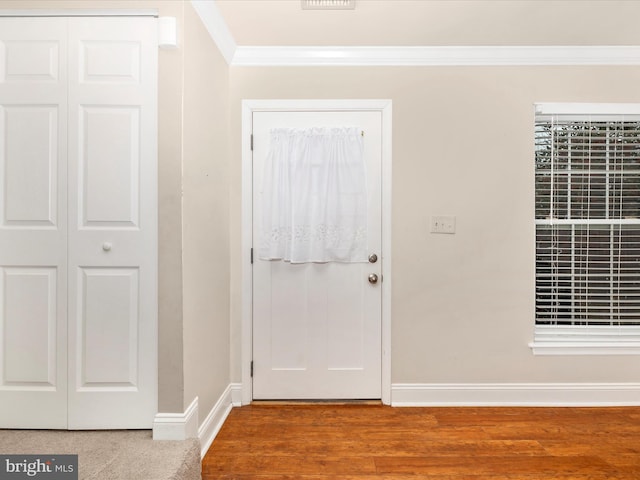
(112, 223)
(78, 222)
(33, 229)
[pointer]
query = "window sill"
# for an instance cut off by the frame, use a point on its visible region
(586, 340)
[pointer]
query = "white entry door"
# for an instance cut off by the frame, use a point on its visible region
(78, 222)
(317, 327)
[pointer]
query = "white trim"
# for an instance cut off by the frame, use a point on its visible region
(387, 157)
(177, 426)
(586, 340)
(250, 106)
(516, 394)
(577, 348)
(213, 21)
(215, 419)
(79, 13)
(292, 105)
(236, 394)
(590, 221)
(167, 32)
(246, 313)
(434, 56)
(587, 108)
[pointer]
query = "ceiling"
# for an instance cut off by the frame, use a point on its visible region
(434, 23)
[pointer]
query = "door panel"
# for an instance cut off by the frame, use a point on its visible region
(345, 319)
(33, 227)
(30, 60)
(109, 171)
(30, 165)
(113, 223)
(317, 327)
(28, 297)
(113, 62)
(109, 328)
(289, 312)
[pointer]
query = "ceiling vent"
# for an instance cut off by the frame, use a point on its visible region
(328, 4)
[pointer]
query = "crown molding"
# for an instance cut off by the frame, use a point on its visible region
(437, 56)
(213, 21)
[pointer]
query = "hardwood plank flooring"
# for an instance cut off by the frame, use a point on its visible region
(374, 442)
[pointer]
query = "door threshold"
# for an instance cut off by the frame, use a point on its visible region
(316, 402)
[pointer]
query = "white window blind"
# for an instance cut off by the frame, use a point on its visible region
(587, 215)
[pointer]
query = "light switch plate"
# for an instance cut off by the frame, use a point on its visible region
(443, 224)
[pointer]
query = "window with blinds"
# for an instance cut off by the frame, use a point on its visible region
(587, 215)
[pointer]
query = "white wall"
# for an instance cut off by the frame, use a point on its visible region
(463, 304)
(205, 217)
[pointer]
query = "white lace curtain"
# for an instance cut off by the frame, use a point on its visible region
(314, 198)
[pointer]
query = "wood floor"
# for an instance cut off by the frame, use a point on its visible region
(365, 442)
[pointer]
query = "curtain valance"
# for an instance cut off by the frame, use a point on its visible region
(314, 201)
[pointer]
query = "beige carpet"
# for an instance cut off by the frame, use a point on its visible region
(111, 454)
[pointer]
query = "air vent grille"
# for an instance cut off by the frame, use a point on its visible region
(328, 4)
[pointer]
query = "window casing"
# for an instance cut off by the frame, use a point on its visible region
(587, 217)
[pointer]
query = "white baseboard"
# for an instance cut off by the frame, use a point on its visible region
(515, 394)
(180, 426)
(215, 419)
(177, 426)
(236, 394)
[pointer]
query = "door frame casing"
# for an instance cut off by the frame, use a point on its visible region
(274, 105)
